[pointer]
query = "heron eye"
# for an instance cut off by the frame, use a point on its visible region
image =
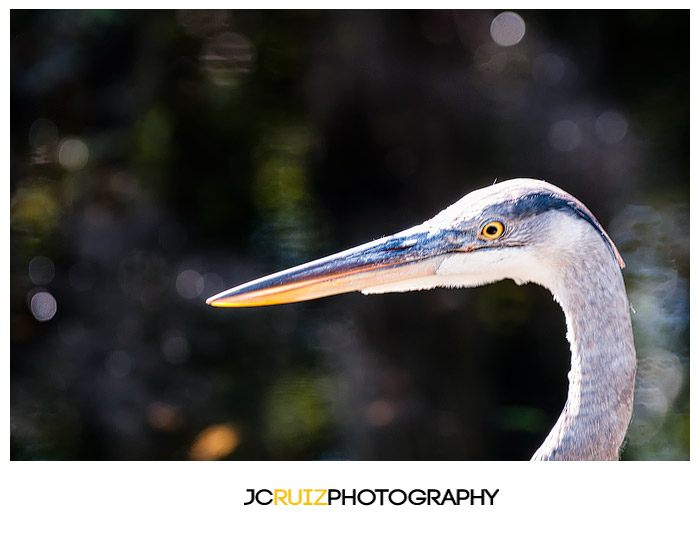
(492, 230)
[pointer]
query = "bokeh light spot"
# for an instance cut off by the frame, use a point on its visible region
(227, 56)
(118, 364)
(565, 135)
(611, 127)
(35, 207)
(163, 417)
(548, 69)
(507, 29)
(659, 381)
(214, 442)
(43, 306)
(41, 270)
(73, 154)
(380, 413)
(124, 185)
(189, 284)
(175, 347)
(43, 132)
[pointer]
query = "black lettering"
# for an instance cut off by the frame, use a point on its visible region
(252, 497)
(434, 494)
(481, 497)
(391, 496)
(257, 496)
(449, 497)
(351, 496)
(462, 495)
(333, 495)
(381, 495)
(492, 495)
(420, 500)
(359, 495)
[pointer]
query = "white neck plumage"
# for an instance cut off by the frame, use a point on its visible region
(593, 424)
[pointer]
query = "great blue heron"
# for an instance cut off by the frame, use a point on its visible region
(522, 229)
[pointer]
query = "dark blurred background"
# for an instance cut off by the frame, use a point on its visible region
(159, 157)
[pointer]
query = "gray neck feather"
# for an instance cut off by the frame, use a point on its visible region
(593, 424)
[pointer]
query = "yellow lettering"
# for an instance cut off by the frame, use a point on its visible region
(281, 494)
(290, 498)
(308, 498)
(323, 494)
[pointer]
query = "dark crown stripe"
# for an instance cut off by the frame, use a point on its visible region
(536, 203)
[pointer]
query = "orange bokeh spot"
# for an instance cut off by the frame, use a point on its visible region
(215, 442)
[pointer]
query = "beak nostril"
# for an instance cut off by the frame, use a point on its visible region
(406, 244)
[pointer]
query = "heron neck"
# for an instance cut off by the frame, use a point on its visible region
(598, 408)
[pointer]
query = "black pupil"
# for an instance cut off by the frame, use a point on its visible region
(491, 230)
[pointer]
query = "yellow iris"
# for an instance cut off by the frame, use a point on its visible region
(492, 230)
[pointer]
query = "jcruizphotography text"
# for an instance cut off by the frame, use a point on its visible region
(367, 497)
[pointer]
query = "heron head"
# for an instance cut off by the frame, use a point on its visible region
(515, 229)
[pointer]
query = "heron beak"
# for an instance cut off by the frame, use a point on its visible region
(411, 254)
